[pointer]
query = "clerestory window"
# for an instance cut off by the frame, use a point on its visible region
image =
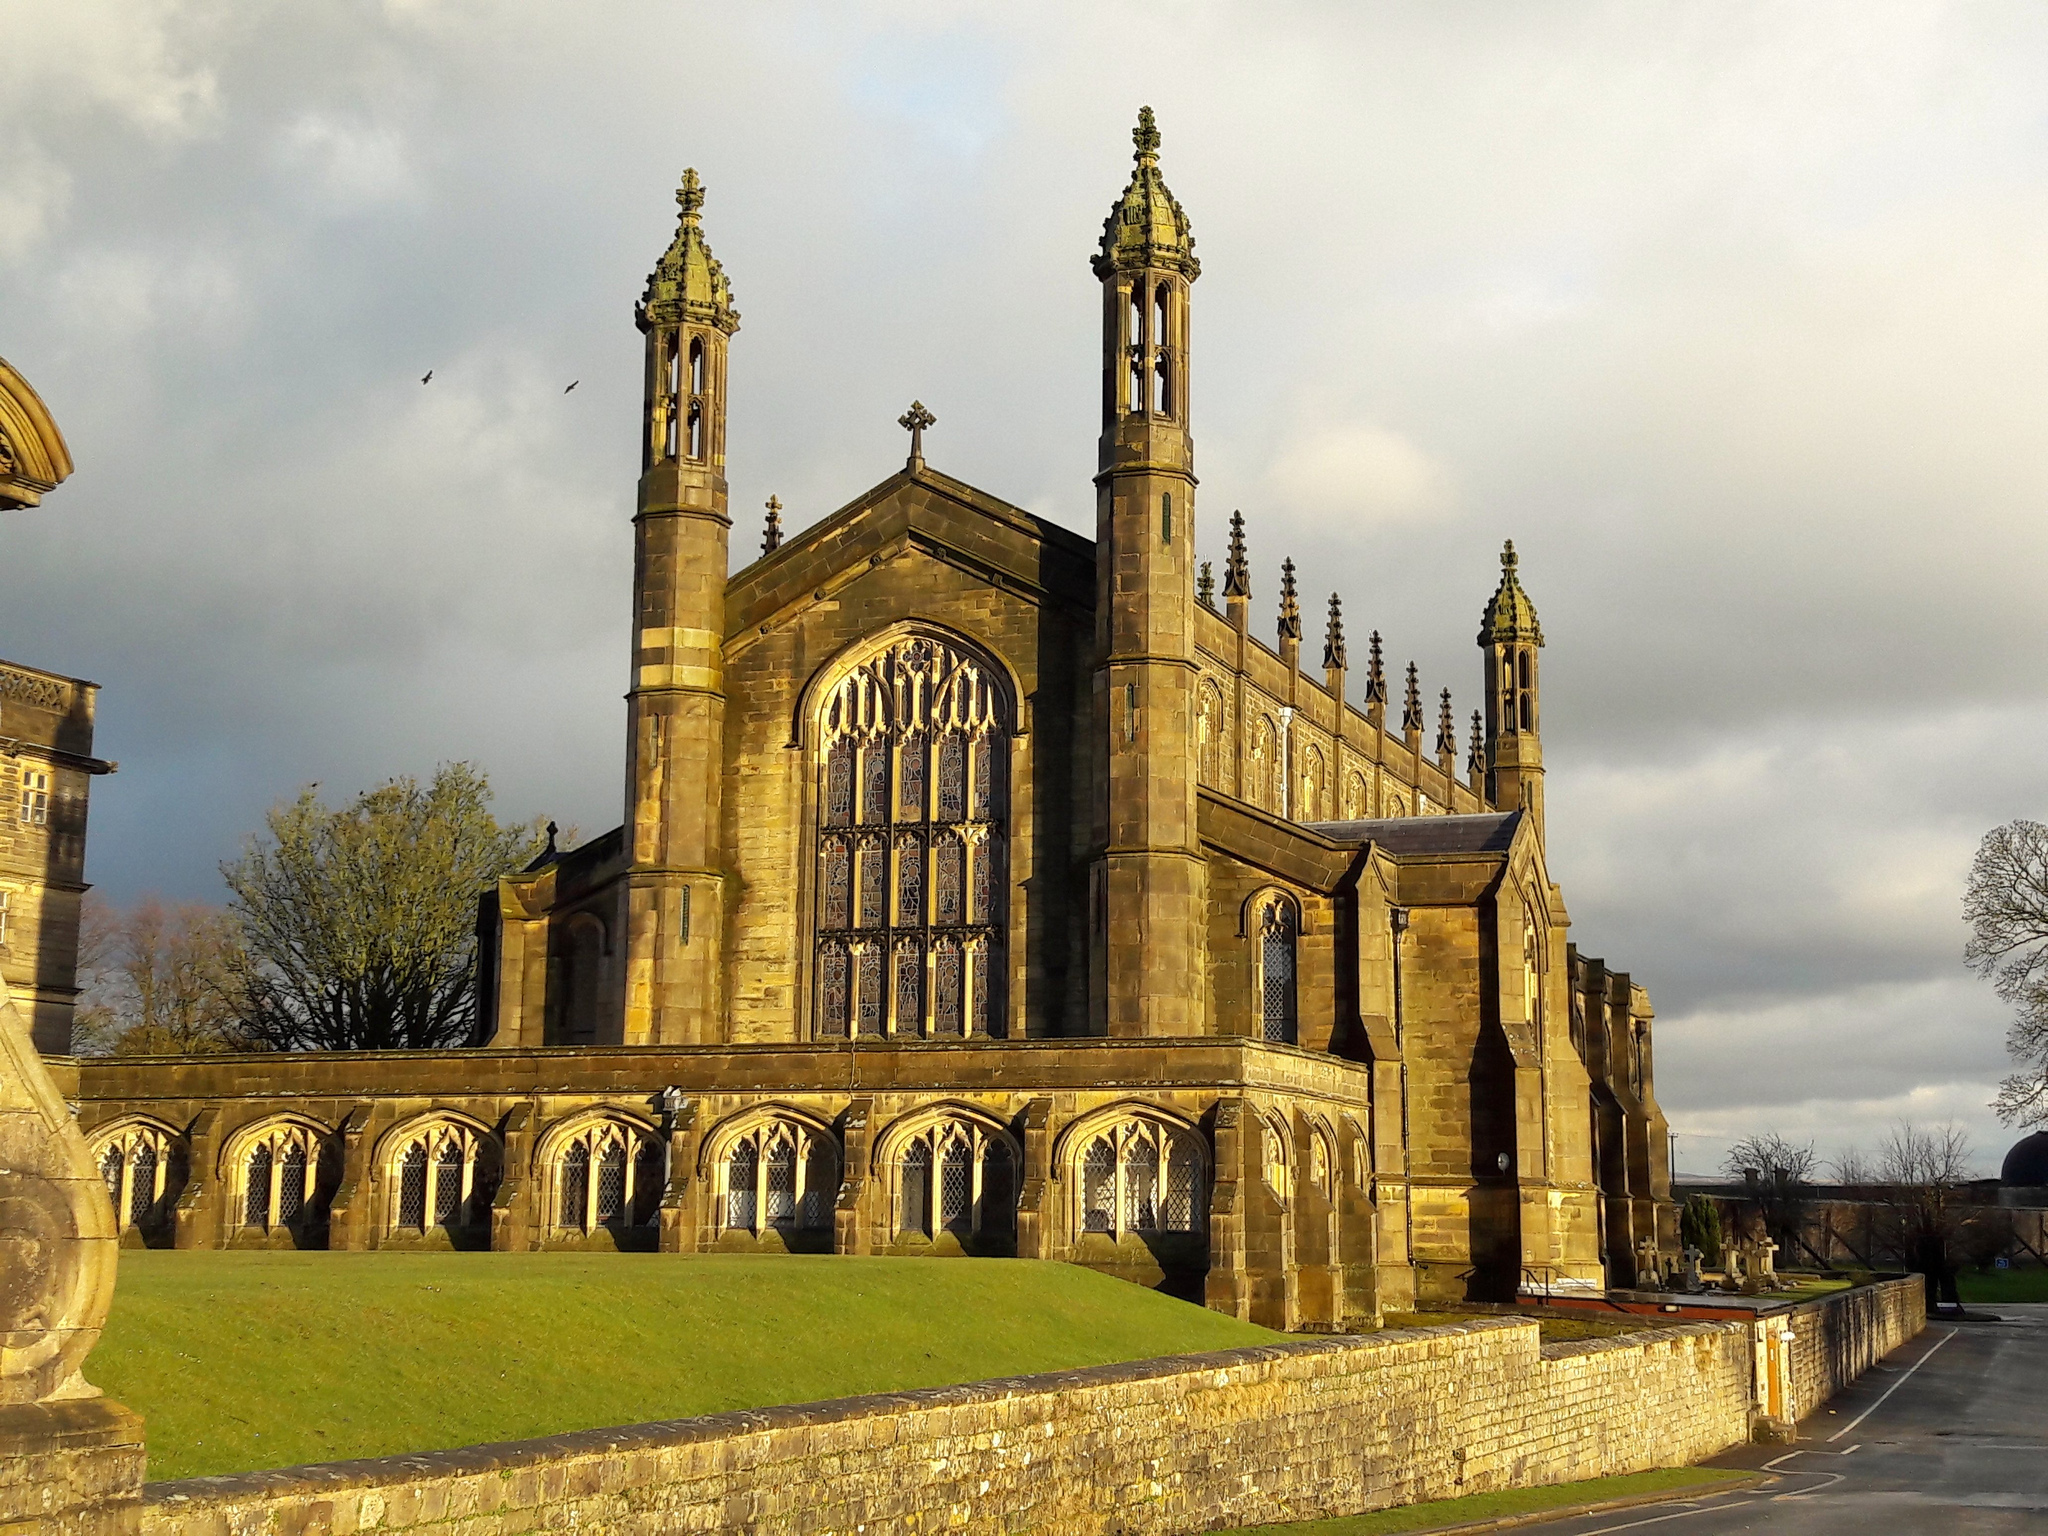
(912, 861)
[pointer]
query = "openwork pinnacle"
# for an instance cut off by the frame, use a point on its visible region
(1146, 136)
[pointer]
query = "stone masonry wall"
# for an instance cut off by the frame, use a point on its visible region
(1836, 1340)
(1185, 1444)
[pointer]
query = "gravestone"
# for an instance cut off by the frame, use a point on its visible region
(71, 1462)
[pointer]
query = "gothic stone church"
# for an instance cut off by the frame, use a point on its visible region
(988, 889)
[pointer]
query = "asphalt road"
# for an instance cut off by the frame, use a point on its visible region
(1947, 1435)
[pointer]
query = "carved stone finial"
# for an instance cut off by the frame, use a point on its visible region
(1147, 228)
(1475, 760)
(771, 539)
(1237, 571)
(1411, 710)
(690, 196)
(1375, 676)
(1333, 637)
(1446, 729)
(688, 284)
(1146, 137)
(1205, 587)
(914, 421)
(1290, 607)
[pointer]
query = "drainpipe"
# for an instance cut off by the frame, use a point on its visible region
(1397, 918)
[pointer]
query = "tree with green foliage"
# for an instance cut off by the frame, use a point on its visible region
(1699, 1226)
(358, 926)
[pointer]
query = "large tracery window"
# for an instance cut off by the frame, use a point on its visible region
(608, 1176)
(957, 1177)
(912, 846)
(278, 1169)
(780, 1175)
(1141, 1176)
(135, 1162)
(441, 1175)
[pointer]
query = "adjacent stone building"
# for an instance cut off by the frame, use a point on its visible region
(986, 888)
(46, 765)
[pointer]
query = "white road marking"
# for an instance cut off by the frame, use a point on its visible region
(1888, 1391)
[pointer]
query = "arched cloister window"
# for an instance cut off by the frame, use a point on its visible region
(779, 1174)
(956, 1176)
(135, 1161)
(276, 1169)
(1273, 1156)
(441, 1174)
(912, 845)
(1209, 734)
(1142, 1175)
(1275, 934)
(607, 1176)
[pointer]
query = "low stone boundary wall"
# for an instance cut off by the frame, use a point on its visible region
(1838, 1338)
(1183, 1444)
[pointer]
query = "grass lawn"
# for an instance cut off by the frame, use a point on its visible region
(1554, 1330)
(2015, 1285)
(241, 1361)
(1495, 1506)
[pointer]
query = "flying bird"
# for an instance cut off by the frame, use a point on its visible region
(572, 384)
(429, 375)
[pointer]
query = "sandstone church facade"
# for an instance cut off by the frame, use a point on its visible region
(988, 889)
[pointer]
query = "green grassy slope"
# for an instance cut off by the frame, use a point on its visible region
(239, 1361)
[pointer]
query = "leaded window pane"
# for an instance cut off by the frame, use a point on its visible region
(910, 784)
(910, 882)
(575, 1183)
(948, 897)
(839, 784)
(1141, 1185)
(821, 1189)
(1277, 959)
(874, 883)
(256, 1211)
(142, 1181)
(838, 885)
(781, 1183)
(956, 1188)
(611, 1183)
(909, 989)
(946, 989)
(871, 990)
(110, 1170)
(982, 992)
(412, 1187)
(952, 778)
(833, 1002)
(998, 1189)
(1180, 1187)
(984, 777)
(917, 1189)
(874, 795)
(984, 907)
(448, 1185)
(1098, 1187)
(291, 1185)
(740, 1172)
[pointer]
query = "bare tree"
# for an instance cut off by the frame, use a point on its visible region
(2006, 906)
(157, 979)
(1923, 1177)
(1777, 1183)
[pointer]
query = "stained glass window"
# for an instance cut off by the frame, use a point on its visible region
(874, 883)
(871, 990)
(838, 885)
(784, 1173)
(984, 881)
(611, 1183)
(832, 991)
(946, 878)
(984, 777)
(257, 1212)
(874, 796)
(910, 795)
(953, 778)
(137, 1165)
(909, 988)
(1121, 1190)
(910, 881)
(839, 785)
(448, 1186)
(946, 988)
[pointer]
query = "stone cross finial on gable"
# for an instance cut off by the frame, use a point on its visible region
(914, 421)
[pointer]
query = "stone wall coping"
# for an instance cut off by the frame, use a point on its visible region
(190, 1495)
(1654, 1333)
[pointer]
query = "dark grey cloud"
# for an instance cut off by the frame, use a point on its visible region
(1734, 318)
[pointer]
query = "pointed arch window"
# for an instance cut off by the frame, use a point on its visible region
(912, 864)
(779, 1175)
(1209, 734)
(1142, 1175)
(957, 1177)
(698, 403)
(277, 1172)
(442, 1176)
(136, 1164)
(1278, 928)
(1162, 356)
(608, 1176)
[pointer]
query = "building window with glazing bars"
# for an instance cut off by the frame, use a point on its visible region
(957, 1178)
(779, 1176)
(35, 797)
(1141, 1176)
(608, 1176)
(1278, 928)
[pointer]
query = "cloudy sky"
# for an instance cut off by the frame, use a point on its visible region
(1734, 317)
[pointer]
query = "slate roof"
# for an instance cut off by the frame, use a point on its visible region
(1490, 833)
